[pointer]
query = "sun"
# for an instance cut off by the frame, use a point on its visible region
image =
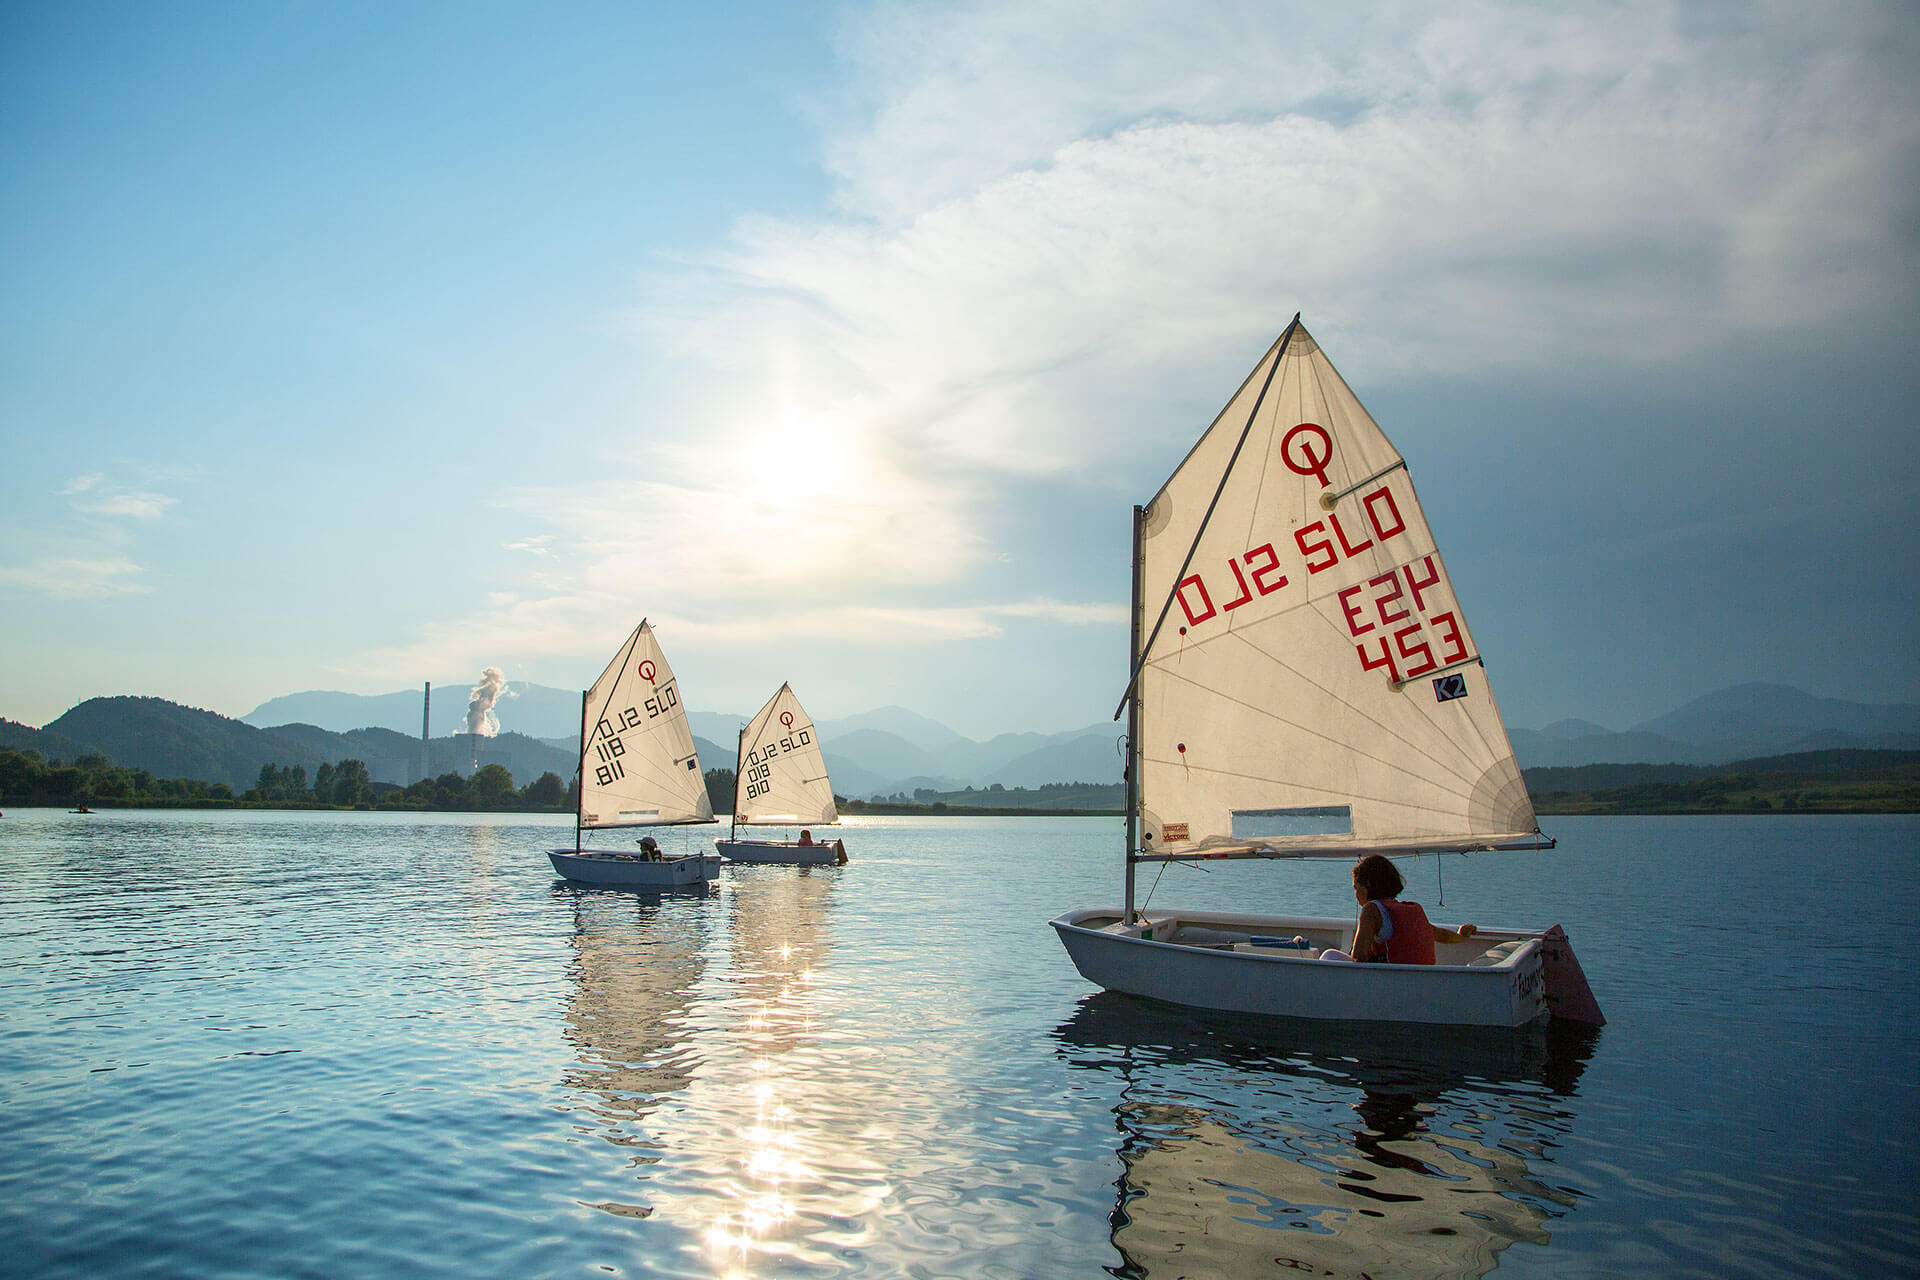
(797, 462)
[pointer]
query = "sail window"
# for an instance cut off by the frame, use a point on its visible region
(1276, 824)
(639, 815)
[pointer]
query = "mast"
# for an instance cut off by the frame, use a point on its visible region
(1133, 715)
(580, 805)
(739, 776)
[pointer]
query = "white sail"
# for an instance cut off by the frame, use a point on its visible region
(1312, 686)
(638, 766)
(782, 777)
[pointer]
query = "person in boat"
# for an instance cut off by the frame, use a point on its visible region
(649, 848)
(806, 837)
(1389, 929)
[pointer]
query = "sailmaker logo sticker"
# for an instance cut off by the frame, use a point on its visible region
(1173, 831)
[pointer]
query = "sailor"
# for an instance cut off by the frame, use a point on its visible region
(1389, 929)
(649, 848)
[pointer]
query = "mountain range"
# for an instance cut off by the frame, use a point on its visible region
(888, 751)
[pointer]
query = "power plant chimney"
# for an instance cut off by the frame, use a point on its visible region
(426, 732)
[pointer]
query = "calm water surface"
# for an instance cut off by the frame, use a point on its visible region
(241, 1044)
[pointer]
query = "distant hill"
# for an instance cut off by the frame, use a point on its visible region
(50, 745)
(1778, 714)
(887, 751)
(908, 726)
(1744, 722)
(172, 741)
(1843, 781)
(533, 709)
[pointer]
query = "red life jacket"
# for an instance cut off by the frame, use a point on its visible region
(1412, 940)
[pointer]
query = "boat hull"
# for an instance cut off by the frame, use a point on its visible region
(782, 852)
(1497, 979)
(590, 866)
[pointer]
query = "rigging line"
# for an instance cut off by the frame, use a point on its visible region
(1447, 776)
(1153, 888)
(1280, 353)
(1390, 731)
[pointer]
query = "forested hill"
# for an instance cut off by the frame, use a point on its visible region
(172, 741)
(1839, 781)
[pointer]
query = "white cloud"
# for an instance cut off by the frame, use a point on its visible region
(1053, 222)
(86, 575)
(1067, 214)
(89, 560)
(94, 494)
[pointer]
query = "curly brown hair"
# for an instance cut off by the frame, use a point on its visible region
(1378, 876)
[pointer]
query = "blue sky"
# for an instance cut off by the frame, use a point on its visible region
(350, 346)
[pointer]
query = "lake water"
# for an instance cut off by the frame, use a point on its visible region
(279, 1045)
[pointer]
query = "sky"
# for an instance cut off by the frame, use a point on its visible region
(350, 346)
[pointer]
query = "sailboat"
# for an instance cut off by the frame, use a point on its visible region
(780, 778)
(1304, 685)
(638, 768)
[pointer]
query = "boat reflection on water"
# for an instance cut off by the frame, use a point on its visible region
(637, 961)
(1281, 1146)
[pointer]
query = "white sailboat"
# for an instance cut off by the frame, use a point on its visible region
(1304, 685)
(780, 779)
(638, 768)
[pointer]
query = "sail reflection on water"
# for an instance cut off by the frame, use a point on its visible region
(785, 1107)
(637, 962)
(1289, 1147)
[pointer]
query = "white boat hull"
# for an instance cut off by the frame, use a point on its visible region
(1497, 979)
(591, 866)
(782, 852)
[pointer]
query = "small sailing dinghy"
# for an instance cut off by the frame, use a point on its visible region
(638, 768)
(781, 780)
(1304, 685)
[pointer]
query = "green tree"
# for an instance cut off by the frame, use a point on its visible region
(450, 791)
(493, 788)
(546, 793)
(352, 784)
(720, 789)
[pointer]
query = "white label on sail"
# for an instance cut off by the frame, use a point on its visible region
(638, 760)
(782, 777)
(1299, 633)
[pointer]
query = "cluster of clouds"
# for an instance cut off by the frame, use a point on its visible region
(1053, 224)
(92, 556)
(1060, 235)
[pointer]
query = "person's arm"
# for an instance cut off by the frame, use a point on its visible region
(1363, 933)
(1461, 934)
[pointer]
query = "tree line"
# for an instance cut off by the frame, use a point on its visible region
(346, 785)
(28, 780)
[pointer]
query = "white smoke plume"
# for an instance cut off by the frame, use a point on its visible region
(481, 722)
